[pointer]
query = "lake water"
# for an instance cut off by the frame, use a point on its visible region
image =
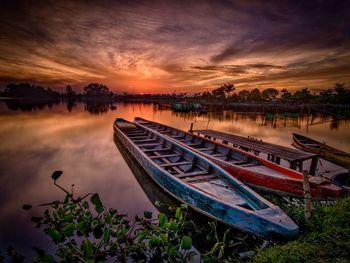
(78, 139)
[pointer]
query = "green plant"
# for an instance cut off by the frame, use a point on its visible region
(85, 231)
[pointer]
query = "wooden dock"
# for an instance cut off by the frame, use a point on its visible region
(274, 152)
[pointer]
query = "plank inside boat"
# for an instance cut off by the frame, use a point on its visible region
(255, 171)
(201, 184)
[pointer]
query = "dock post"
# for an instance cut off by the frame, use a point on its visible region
(313, 166)
(307, 195)
(191, 128)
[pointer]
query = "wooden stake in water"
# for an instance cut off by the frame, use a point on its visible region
(191, 128)
(307, 195)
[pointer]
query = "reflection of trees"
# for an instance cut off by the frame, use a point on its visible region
(98, 107)
(334, 125)
(70, 104)
(28, 105)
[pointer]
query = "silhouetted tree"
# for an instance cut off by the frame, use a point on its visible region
(327, 95)
(269, 94)
(254, 95)
(243, 95)
(69, 92)
(303, 95)
(26, 90)
(286, 96)
(97, 91)
(229, 88)
(342, 95)
(219, 93)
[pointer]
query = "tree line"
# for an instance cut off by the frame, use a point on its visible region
(338, 94)
(30, 91)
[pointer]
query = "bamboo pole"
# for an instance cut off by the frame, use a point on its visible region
(191, 127)
(307, 195)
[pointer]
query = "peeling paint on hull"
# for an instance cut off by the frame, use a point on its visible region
(269, 221)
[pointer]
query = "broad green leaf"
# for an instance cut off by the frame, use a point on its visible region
(162, 219)
(87, 248)
(56, 175)
(27, 207)
(163, 237)
(73, 206)
(186, 242)
(173, 225)
(69, 218)
(68, 230)
(85, 205)
(95, 199)
(82, 227)
(147, 214)
(154, 241)
(178, 213)
(55, 235)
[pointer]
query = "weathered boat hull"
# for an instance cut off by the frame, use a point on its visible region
(324, 151)
(270, 222)
(291, 184)
(282, 186)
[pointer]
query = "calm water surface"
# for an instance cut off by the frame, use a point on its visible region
(33, 144)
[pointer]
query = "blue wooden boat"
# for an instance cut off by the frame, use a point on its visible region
(205, 187)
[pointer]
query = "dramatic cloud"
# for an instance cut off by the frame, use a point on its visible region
(166, 46)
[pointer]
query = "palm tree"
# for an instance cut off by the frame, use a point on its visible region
(229, 87)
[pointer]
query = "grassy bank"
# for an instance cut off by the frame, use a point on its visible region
(326, 238)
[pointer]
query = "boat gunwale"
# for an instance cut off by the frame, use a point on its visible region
(267, 163)
(222, 172)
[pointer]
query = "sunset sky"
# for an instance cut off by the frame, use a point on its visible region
(182, 46)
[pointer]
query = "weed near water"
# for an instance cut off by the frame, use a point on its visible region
(326, 238)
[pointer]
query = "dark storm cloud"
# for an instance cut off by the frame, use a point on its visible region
(148, 45)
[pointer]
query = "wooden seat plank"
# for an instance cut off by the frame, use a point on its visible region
(283, 152)
(149, 144)
(164, 156)
(156, 150)
(175, 164)
(202, 178)
(192, 174)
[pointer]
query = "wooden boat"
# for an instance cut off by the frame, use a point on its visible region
(249, 168)
(201, 184)
(326, 152)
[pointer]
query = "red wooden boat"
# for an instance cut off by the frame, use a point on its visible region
(253, 170)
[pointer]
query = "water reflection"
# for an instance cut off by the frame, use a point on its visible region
(99, 107)
(94, 107)
(274, 120)
(26, 105)
(35, 143)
